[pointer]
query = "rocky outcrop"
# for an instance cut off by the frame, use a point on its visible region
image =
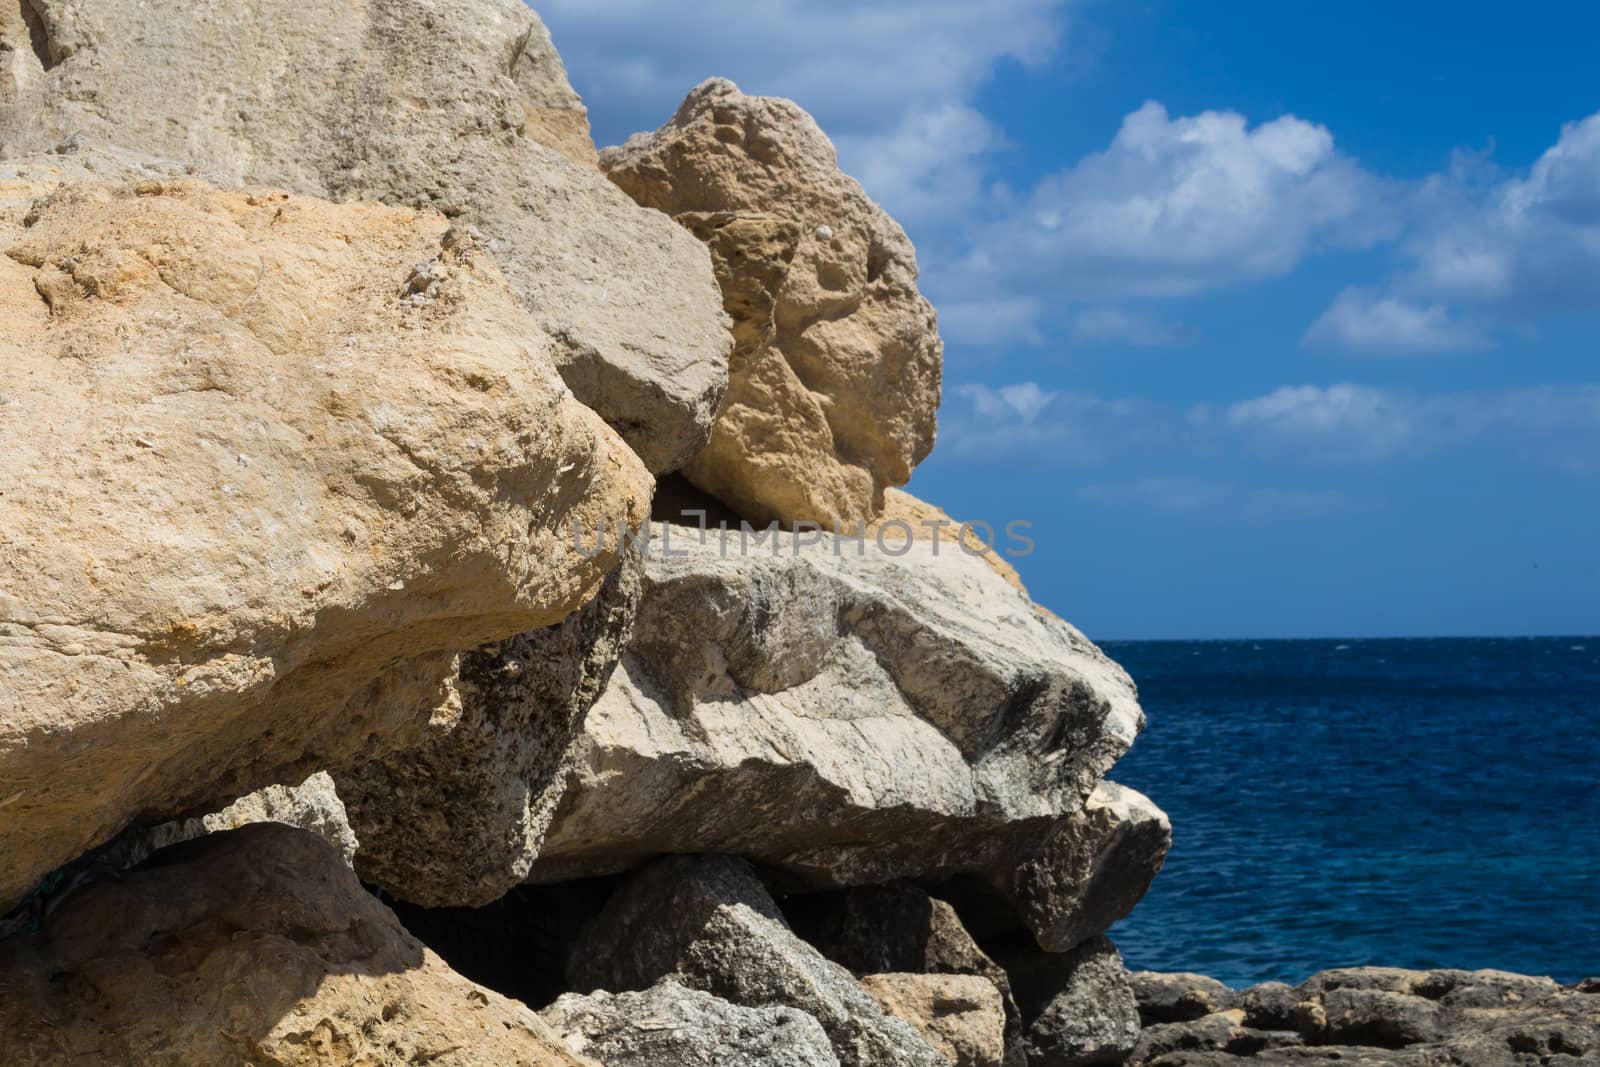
(709, 923)
(312, 805)
(835, 383)
(961, 1016)
(458, 819)
(254, 946)
(850, 719)
(261, 487)
(1078, 1007)
(900, 928)
(1373, 1015)
(437, 104)
(904, 518)
(670, 1023)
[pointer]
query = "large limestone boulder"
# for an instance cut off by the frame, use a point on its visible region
(848, 719)
(256, 946)
(709, 923)
(835, 382)
(670, 1023)
(455, 105)
(259, 487)
(458, 819)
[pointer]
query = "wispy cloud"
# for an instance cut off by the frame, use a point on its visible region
(1222, 500)
(1485, 253)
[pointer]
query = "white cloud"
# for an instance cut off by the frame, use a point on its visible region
(1368, 322)
(1180, 205)
(1024, 420)
(988, 324)
(1504, 253)
(1364, 423)
(1115, 325)
(892, 82)
(1360, 420)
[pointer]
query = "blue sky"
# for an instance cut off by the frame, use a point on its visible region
(1274, 320)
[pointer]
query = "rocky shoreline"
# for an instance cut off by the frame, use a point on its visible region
(1368, 1015)
(327, 738)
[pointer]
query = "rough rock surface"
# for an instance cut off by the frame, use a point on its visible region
(312, 805)
(1078, 1006)
(845, 718)
(960, 1015)
(260, 488)
(254, 946)
(834, 387)
(418, 103)
(903, 512)
(710, 923)
(1179, 997)
(1384, 1015)
(669, 1023)
(457, 820)
(900, 928)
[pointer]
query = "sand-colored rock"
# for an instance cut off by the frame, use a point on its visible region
(960, 1015)
(835, 382)
(904, 517)
(257, 946)
(845, 718)
(457, 820)
(439, 104)
(261, 484)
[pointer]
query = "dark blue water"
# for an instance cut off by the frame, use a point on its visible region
(1416, 803)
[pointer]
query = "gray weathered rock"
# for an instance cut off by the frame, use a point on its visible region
(313, 805)
(670, 1023)
(834, 387)
(900, 928)
(457, 820)
(1178, 997)
(1389, 1016)
(253, 946)
(258, 492)
(710, 923)
(418, 103)
(960, 1015)
(1078, 1006)
(847, 720)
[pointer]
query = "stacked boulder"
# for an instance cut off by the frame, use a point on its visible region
(337, 370)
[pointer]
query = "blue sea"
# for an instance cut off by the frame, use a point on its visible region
(1413, 803)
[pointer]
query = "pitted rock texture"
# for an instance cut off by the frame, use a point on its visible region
(312, 805)
(709, 923)
(1376, 1015)
(835, 382)
(898, 927)
(670, 1023)
(960, 1015)
(457, 820)
(260, 489)
(1078, 1006)
(844, 718)
(253, 946)
(440, 104)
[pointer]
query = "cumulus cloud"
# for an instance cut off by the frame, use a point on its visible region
(892, 82)
(1385, 325)
(1502, 254)
(1024, 420)
(1179, 205)
(1357, 422)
